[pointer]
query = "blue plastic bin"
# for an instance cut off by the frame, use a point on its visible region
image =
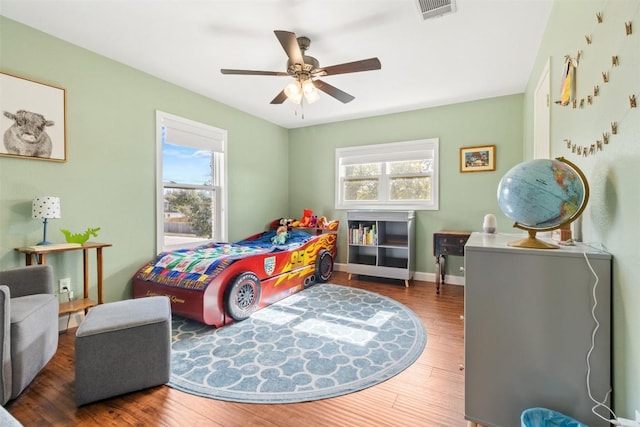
(542, 417)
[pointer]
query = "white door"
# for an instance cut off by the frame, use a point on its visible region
(541, 116)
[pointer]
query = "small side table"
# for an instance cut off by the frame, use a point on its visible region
(85, 303)
(447, 243)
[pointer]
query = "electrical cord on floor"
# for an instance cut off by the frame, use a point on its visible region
(68, 315)
(598, 404)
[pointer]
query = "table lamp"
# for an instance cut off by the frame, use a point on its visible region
(45, 207)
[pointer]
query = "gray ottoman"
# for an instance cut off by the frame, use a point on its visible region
(123, 347)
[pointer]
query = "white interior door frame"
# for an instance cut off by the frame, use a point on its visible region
(542, 115)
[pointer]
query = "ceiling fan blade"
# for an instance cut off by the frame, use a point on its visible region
(349, 67)
(280, 98)
(253, 72)
(341, 96)
(289, 43)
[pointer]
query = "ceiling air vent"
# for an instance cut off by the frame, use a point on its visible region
(433, 8)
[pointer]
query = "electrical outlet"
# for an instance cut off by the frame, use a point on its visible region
(65, 285)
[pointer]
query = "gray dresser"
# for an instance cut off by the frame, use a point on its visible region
(528, 329)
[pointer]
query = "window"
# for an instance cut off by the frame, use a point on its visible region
(399, 175)
(191, 196)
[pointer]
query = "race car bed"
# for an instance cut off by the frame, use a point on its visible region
(218, 283)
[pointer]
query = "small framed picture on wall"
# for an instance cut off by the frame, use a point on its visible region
(481, 158)
(32, 119)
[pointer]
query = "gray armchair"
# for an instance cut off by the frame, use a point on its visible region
(28, 326)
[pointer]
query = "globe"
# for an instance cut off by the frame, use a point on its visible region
(542, 195)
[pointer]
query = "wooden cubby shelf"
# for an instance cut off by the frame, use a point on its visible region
(381, 244)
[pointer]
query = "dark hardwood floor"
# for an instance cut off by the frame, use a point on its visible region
(428, 393)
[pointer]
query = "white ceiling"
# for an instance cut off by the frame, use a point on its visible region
(485, 49)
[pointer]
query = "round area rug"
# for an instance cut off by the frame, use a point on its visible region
(324, 341)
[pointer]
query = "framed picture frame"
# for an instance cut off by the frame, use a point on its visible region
(32, 119)
(480, 158)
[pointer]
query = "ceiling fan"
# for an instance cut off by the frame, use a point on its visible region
(306, 71)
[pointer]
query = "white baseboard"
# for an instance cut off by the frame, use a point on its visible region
(426, 277)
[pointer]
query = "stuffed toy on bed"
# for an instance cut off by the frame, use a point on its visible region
(281, 236)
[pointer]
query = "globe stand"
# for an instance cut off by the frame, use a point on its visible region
(532, 242)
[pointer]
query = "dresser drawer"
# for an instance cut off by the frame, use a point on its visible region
(451, 250)
(449, 243)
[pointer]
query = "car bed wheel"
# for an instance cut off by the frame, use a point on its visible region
(243, 296)
(324, 266)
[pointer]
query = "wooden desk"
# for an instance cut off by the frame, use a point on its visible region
(41, 253)
(447, 243)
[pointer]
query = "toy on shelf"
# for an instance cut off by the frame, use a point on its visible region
(316, 222)
(305, 221)
(78, 237)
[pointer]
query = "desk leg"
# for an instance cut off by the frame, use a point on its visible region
(440, 269)
(85, 269)
(99, 267)
(28, 259)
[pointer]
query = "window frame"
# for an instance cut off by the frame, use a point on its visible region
(388, 152)
(206, 137)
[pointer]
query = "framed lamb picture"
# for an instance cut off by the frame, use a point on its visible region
(32, 120)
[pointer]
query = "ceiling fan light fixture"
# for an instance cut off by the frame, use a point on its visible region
(296, 99)
(294, 92)
(310, 91)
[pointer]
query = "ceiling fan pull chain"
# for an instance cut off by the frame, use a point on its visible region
(301, 106)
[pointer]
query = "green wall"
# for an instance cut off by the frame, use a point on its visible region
(611, 218)
(464, 197)
(109, 179)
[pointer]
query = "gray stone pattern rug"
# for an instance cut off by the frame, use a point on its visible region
(325, 341)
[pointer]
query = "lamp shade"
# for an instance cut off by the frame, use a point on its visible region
(310, 91)
(45, 207)
(294, 92)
